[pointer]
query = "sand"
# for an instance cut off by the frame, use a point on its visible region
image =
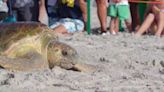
(125, 63)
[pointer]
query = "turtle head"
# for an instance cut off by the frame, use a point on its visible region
(60, 54)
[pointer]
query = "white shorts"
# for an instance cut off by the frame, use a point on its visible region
(72, 25)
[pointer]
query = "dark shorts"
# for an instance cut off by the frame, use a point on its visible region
(28, 12)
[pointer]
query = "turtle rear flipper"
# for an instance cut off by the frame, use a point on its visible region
(84, 67)
(30, 62)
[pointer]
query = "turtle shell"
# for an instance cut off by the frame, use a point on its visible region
(18, 38)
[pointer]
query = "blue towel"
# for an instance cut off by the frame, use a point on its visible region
(9, 19)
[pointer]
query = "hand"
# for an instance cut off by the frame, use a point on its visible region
(155, 9)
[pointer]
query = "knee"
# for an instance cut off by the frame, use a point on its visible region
(151, 15)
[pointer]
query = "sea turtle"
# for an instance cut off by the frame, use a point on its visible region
(33, 46)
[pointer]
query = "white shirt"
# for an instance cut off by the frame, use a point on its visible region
(3, 6)
(122, 2)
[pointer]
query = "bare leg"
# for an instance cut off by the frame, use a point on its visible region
(129, 25)
(60, 29)
(153, 28)
(102, 13)
(43, 16)
(117, 25)
(160, 24)
(112, 25)
(146, 24)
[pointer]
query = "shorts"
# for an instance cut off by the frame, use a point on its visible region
(28, 12)
(72, 25)
(121, 11)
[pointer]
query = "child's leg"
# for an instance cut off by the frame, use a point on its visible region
(121, 27)
(128, 23)
(112, 12)
(112, 24)
(160, 24)
(146, 24)
(116, 25)
(124, 14)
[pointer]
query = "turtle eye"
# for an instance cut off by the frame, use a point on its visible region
(65, 53)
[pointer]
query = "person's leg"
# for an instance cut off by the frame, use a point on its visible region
(29, 12)
(102, 14)
(128, 23)
(68, 26)
(135, 15)
(124, 15)
(60, 29)
(117, 25)
(34, 10)
(146, 24)
(160, 24)
(112, 12)
(112, 24)
(24, 14)
(43, 16)
(153, 28)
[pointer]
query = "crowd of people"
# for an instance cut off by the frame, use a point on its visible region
(63, 16)
(139, 18)
(69, 16)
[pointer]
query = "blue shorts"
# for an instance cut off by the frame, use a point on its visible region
(72, 25)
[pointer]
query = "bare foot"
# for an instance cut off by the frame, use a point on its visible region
(137, 35)
(113, 32)
(158, 34)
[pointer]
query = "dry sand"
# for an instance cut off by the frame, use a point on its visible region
(124, 64)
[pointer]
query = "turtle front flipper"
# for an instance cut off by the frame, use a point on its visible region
(30, 62)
